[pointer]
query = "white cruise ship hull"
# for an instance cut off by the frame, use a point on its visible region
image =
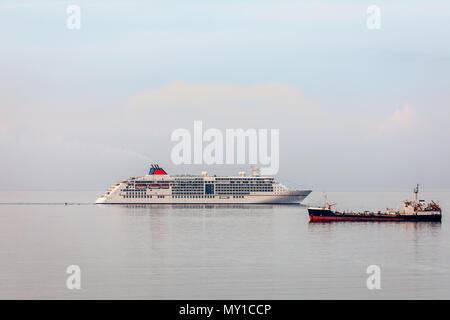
(289, 198)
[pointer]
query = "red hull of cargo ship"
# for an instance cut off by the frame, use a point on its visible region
(366, 218)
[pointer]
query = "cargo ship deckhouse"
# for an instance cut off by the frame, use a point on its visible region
(157, 187)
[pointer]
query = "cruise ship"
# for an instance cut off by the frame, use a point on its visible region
(157, 187)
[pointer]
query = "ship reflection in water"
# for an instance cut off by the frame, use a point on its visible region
(394, 225)
(204, 206)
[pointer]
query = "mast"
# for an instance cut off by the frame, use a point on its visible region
(325, 201)
(416, 191)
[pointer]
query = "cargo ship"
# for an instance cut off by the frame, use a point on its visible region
(415, 210)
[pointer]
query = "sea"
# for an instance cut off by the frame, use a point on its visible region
(217, 251)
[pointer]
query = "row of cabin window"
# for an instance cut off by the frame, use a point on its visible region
(242, 188)
(194, 197)
(141, 196)
(160, 197)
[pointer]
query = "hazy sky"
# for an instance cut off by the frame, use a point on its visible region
(356, 108)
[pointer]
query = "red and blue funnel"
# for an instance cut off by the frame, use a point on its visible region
(156, 170)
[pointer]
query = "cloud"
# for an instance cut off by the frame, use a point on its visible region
(260, 105)
(176, 93)
(403, 119)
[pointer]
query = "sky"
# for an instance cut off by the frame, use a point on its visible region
(356, 108)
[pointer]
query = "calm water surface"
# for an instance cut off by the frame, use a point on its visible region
(201, 252)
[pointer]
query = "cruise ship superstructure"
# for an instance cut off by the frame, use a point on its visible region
(157, 187)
